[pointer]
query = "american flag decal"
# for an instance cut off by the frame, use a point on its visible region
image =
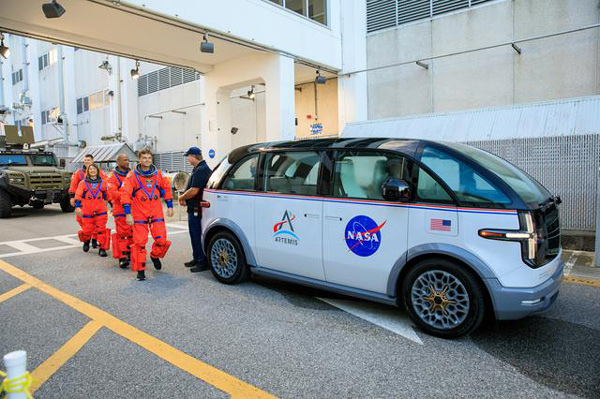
(440, 224)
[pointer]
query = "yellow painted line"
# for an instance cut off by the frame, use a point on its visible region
(45, 370)
(13, 292)
(582, 280)
(213, 376)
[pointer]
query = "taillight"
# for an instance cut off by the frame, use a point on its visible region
(527, 236)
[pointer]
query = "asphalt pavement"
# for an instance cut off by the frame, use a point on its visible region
(273, 337)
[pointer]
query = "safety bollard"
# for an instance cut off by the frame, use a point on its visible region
(18, 379)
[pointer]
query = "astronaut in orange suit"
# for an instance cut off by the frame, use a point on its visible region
(122, 239)
(141, 195)
(77, 178)
(90, 206)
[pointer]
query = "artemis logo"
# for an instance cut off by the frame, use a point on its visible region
(283, 231)
(363, 235)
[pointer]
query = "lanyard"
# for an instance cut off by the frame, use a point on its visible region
(94, 193)
(150, 195)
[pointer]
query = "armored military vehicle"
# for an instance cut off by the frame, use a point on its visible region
(27, 176)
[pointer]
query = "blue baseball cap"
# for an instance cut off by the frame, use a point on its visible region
(193, 151)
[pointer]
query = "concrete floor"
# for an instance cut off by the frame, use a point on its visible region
(265, 336)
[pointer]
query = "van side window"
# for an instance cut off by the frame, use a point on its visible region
(361, 175)
(430, 190)
(292, 172)
(466, 182)
(241, 176)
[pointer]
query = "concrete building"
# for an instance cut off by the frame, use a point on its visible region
(430, 61)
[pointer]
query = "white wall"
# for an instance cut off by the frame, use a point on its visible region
(175, 131)
(553, 68)
(326, 112)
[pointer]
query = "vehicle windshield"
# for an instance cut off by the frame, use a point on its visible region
(43, 160)
(468, 184)
(524, 185)
(13, 160)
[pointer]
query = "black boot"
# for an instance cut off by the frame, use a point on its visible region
(94, 243)
(200, 267)
(102, 253)
(191, 263)
(156, 262)
(141, 276)
(123, 263)
(86, 246)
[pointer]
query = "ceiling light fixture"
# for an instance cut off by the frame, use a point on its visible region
(53, 9)
(206, 46)
(320, 79)
(135, 73)
(4, 50)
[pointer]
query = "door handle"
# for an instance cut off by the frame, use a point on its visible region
(311, 215)
(335, 218)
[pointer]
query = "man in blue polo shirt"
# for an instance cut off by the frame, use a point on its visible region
(192, 197)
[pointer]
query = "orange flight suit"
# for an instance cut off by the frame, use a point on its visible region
(122, 239)
(90, 197)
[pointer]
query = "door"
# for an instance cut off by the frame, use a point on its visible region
(288, 218)
(365, 235)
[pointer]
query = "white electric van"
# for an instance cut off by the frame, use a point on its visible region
(446, 230)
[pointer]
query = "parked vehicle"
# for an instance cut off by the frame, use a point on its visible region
(29, 177)
(448, 231)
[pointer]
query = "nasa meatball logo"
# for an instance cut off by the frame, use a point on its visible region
(363, 235)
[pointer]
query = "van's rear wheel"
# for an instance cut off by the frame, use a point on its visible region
(226, 259)
(443, 299)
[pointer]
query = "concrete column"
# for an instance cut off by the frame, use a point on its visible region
(352, 90)
(280, 99)
(275, 71)
(34, 89)
(129, 102)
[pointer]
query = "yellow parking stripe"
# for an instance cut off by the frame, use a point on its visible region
(213, 376)
(582, 280)
(59, 358)
(13, 292)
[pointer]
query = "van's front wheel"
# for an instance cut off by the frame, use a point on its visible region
(443, 299)
(226, 259)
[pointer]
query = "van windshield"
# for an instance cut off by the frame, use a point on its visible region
(524, 185)
(468, 184)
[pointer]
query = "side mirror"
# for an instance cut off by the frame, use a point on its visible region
(396, 190)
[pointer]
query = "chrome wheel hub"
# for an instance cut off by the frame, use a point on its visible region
(224, 258)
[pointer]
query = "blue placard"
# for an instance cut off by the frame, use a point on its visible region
(211, 153)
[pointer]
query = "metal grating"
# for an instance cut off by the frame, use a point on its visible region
(172, 162)
(382, 14)
(153, 82)
(165, 78)
(568, 166)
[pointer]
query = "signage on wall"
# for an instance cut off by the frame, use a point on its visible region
(316, 129)
(211, 154)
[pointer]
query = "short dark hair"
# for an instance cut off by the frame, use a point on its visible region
(89, 156)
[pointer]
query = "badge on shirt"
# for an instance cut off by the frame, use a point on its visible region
(149, 183)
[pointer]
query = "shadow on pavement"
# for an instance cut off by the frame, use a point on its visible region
(558, 354)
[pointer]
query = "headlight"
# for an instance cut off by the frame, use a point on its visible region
(16, 180)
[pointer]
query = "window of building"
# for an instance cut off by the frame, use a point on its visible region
(17, 76)
(293, 172)
(382, 14)
(47, 59)
(97, 100)
(45, 117)
(241, 177)
(362, 175)
(313, 9)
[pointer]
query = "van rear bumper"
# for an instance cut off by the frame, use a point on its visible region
(516, 303)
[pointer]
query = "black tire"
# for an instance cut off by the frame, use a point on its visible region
(446, 319)
(38, 205)
(5, 205)
(221, 250)
(65, 204)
